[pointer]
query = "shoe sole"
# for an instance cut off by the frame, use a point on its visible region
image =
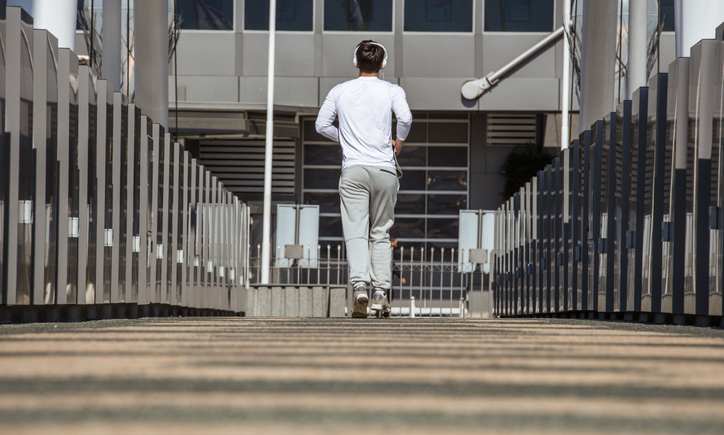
(359, 310)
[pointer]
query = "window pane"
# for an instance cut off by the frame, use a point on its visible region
(412, 156)
(330, 226)
(413, 180)
(410, 204)
(322, 155)
(359, 15)
(448, 156)
(411, 228)
(453, 132)
(446, 204)
(206, 14)
(418, 132)
(291, 15)
(321, 178)
(439, 16)
(310, 133)
(442, 228)
(328, 202)
(519, 15)
(666, 15)
(447, 180)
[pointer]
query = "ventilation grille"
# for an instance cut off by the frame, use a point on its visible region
(511, 129)
(239, 164)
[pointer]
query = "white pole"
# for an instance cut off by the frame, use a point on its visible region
(59, 18)
(637, 45)
(566, 83)
(266, 228)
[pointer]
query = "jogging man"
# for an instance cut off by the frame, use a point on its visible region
(369, 182)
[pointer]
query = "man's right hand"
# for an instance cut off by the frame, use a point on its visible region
(397, 145)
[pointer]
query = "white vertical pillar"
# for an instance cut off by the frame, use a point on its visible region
(266, 228)
(566, 82)
(112, 44)
(151, 58)
(599, 60)
(637, 45)
(58, 17)
(696, 20)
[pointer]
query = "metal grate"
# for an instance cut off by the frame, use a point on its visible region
(239, 164)
(511, 129)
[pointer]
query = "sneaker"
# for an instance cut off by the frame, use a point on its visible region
(361, 299)
(380, 304)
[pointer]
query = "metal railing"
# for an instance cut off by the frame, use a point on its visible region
(627, 222)
(425, 281)
(98, 205)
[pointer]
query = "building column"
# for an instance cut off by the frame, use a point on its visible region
(599, 60)
(58, 17)
(637, 45)
(151, 58)
(696, 20)
(112, 44)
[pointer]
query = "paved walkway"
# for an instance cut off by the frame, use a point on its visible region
(330, 376)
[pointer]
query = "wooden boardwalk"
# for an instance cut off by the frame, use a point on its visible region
(436, 376)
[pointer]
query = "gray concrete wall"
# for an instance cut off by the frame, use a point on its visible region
(230, 67)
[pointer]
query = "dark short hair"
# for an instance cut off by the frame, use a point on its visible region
(369, 56)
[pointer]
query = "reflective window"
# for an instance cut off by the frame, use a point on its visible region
(447, 180)
(322, 154)
(446, 204)
(442, 228)
(321, 178)
(292, 15)
(448, 156)
(410, 203)
(519, 15)
(328, 202)
(439, 15)
(413, 180)
(666, 15)
(358, 15)
(330, 227)
(206, 14)
(412, 155)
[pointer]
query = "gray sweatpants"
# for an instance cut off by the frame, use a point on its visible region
(368, 195)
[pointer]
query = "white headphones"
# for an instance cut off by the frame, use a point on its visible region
(384, 50)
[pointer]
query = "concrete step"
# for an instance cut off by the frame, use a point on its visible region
(296, 301)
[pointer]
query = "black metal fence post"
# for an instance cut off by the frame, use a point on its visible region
(623, 246)
(611, 208)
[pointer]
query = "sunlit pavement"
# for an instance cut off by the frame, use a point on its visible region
(371, 376)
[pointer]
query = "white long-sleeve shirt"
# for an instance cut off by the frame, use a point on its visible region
(364, 108)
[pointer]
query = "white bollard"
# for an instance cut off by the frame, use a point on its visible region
(462, 308)
(412, 307)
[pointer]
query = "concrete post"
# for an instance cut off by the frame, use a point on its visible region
(637, 45)
(58, 17)
(151, 54)
(112, 44)
(599, 58)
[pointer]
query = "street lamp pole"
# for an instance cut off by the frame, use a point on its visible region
(268, 149)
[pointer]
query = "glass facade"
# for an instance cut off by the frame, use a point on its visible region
(666, 15)
(519, 15)
(358, 15)
(439, 16)
(433, 189)
(292, 15)
(206, 14)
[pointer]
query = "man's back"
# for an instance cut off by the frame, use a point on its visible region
(364, 108)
